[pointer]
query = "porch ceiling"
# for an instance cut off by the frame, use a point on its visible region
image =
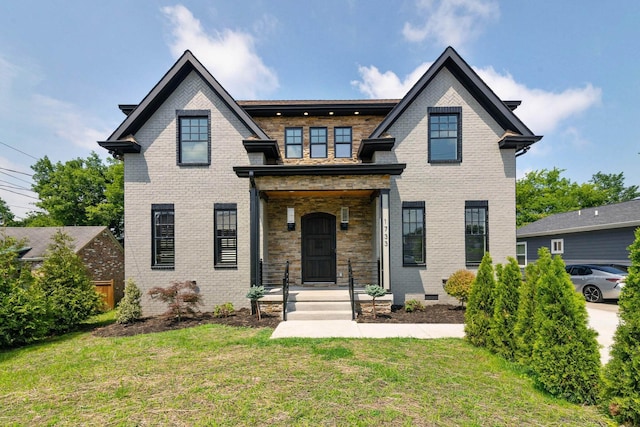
(284, 194)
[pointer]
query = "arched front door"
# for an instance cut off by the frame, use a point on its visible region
(318, 248)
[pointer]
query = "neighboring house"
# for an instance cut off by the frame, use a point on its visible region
(225, 192)
(99, 250)
(598, 235)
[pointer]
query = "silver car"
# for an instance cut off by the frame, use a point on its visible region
(597, 282)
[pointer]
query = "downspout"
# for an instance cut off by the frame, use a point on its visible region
(254, 231)
(523, 151)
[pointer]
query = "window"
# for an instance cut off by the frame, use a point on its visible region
(445, 135)
(293, 143)
(521, 253)
(226, 242)
(163, 236)
(318, 140)
(342, 142)
(557, 246)
(413, 235)
(476, 221)
(194, 137)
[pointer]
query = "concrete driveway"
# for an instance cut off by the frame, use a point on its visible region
(603, 317)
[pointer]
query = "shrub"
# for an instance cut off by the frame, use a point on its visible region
(412, 305)
(621, 391)
(254, 294)
(524, 328)
(502, 334)
(374, 291)
(565, 361)
(182, 298)
(223, 310)
(479, 312)
(459, 285)
(129, 310)
(65, 283)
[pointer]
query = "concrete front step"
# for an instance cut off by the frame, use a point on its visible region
(319, 315)
(318, 305)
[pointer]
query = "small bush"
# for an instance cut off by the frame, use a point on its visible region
(479, 312)
(254, 294)
(181, 297)
(223, 310)
(129, 310)
(412, 305)
(374, 291)
(459, 285)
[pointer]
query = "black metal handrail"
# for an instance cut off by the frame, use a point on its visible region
(285, 291)
(351, 291)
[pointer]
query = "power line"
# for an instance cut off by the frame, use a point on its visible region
(19, 151)
(15, 171)
(15, 177)
(15, 187)
(19, 194)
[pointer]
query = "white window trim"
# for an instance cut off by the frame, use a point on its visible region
(555, 243)
(525, 253)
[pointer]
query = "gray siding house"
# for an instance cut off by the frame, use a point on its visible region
(406, 191)
(599, 235)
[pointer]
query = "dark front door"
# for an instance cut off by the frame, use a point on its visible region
(318, 248)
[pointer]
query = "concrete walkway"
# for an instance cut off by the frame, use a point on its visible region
(602, 317)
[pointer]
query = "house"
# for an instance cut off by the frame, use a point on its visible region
(101, 253)
(599, 235)
(226, 193)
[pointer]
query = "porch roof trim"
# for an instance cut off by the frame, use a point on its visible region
(342, 169)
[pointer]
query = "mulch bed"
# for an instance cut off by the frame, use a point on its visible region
(431, 314)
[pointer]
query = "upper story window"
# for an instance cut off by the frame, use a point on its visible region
(476, 222)
(557, 246)
(293, 143)
(318, 140)
(342, 143)
(445, 134)
(163, 236)
(194, 137)
(413, 233)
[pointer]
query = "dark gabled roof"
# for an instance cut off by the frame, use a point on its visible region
(38, 239)
(187, 63)
(619, 215)
(500, 111)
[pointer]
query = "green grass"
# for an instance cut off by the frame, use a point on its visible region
(221, 376)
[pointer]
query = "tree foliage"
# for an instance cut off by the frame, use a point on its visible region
(375, 291)
(505, 313)
(480, 307)
(565, 360)
(81, 192)
(546, 192)
(65, 282)
(182, 298)
(130, 308)
(6, 216)
(459, 285)
(622, 374)
(524, 330)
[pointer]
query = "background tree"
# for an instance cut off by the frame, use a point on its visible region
(6, 216)
(622, 373)
(546, 192)
(479, 312)
(81, 192)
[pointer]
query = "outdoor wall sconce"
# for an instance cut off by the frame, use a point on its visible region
(344, 218)
(291, 219)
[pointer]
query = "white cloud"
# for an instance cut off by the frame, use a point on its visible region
(451, 22)
(229, 55)
(542, 111)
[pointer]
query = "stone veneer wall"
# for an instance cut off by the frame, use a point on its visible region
(104, 259)
(361, 127)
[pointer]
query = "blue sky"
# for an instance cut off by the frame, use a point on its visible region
(66, 65)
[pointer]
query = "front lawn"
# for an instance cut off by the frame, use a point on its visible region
(221, 375)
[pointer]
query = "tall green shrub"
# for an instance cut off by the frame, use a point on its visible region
(130, 309)
(566, 360)
(621, 391)
(502, 332)
(479, 312)
(524, 331)
(65, 283)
